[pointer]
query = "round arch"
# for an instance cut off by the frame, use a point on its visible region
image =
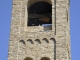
(28, 58)
(40, 8)
(39, 13)
(22, 41)
(31, 2)
(45, 58)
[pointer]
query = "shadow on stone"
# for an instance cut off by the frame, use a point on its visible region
(54, 47)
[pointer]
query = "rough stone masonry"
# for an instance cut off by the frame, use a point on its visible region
(40, 42)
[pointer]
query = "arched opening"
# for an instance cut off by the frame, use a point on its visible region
(28, 58)
(40, 14)
(45, 58)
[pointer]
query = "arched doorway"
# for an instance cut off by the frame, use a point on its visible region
(28, 58)
(40, 13)
(45, 58)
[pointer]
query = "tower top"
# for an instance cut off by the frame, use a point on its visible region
(40, 30)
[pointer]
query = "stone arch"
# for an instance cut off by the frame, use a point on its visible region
(40, 13)
(45, 58)
(46, 40)
(54, 41)
(30, 41)
(38, 41)
(31, 2)
(22, 41)
(28, 58)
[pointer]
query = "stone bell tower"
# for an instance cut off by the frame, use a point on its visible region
(40, 30)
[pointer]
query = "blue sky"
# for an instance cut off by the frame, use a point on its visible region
(5, 20)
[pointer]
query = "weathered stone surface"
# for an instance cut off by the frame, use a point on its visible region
(33, 41)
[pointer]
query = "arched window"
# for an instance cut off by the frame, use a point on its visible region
(30, 41)
(28, 58)
(22, 41)
(46, 40)
(40, 13)
(38, 41)
(45, 58)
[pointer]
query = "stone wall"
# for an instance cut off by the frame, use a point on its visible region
(34, 42)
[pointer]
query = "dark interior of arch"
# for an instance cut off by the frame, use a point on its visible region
(40, 13)
(28, 58)
(45, 58)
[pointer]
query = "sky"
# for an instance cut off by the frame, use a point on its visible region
(5, 20)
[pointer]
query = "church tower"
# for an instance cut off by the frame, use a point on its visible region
(40, 30)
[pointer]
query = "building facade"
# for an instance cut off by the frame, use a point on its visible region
(40, 30)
